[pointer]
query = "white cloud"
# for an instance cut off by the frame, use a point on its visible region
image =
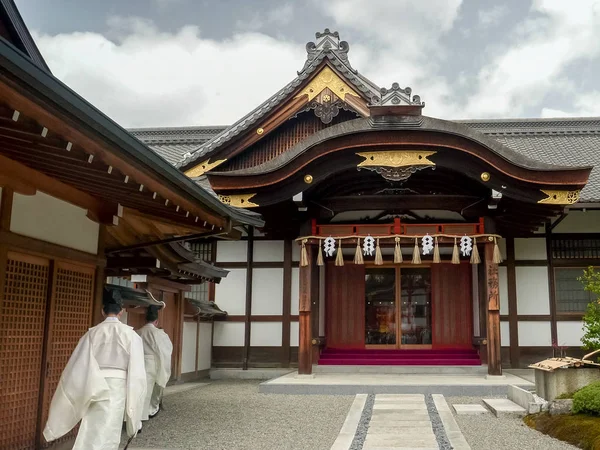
(556, 35)
(585, 105)
(402, 42)
(492, 16)
(145, 77)
(280, 16)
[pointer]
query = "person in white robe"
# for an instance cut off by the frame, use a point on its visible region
(157, 360)
(103, 383)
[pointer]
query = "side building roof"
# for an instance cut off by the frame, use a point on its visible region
(564, 141)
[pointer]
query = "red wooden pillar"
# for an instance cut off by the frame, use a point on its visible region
(305, 341)
(493, 311)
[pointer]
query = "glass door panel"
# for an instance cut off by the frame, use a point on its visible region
(415, 306)
(380, 304)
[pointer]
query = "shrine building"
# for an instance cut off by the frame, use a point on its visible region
(392, 237)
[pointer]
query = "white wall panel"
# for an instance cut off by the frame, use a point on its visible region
(502, 247)
(535, 334)
(268, 251)
(294, 334)
(230, 293)
(267, 292)
(229, 334)
(188, 347)
(123, 317)
(204, 346)
(569, 333)
(580, 222)
(504, 334)
(295, 291)
(295, 251)
(532, 291)
(232, 251)
(528, 249)
(265, 334)
(49, 219)
(503, 286)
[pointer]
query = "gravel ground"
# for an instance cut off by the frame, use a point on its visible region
(437, 425)
(233, 415)
(487, 432)
(363, 425)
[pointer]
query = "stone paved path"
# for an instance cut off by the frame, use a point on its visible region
(400, 422)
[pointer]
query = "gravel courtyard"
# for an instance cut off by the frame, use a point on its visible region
(487, 432)
(233, 415)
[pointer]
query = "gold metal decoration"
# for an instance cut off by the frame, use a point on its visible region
(308, 179)
(239, 200)
(204, 167)
(560, 197)
(260, 131)
(327, 78)
(485, 176)
(398, 158)
(327, 98)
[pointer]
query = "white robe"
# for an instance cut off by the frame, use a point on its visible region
(104, 381)
(157, 358)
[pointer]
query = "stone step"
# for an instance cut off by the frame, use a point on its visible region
(470, 410)
(503, 406)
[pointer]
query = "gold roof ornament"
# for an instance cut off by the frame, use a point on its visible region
(203, 167)
(238, 200)
(327, 78)
(560, 197)
(399, 158)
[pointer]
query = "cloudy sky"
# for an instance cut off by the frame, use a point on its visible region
(152, 63)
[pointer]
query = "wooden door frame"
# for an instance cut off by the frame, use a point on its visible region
(398, 309)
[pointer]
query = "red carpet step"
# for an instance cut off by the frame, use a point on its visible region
(363, 357)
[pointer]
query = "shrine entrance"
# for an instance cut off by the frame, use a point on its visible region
(398, 307)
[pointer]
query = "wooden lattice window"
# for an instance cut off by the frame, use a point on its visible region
(578, 248)
(202, 250)
(22, 320)
(70, 318)
(570, 295)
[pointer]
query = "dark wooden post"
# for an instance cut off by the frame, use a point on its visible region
(306, 291)
(492, 289)
(248, 317)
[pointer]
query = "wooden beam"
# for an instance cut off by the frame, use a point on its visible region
(6, 203)
(18, 242)
(492, 287)
(136, 262)
(248, 310)
(513, 322)
(37, 180)
(306, 291)
(287, 302)
(376, 202)
(551, 285)
(70, 129)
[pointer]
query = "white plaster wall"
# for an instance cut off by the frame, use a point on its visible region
(503, 286)
(502, 247)
(230, 293)
(569, 333)
(49, 219)
(205, 346)
(188, 347)
(268, 251)
(295, 251)
(228, 334)
(504, 334)
(267, 292)
(265, 334)
(529, 249)
(579, 222)
(294, 334)
(232, 251)
(295, 291)
(532, 291)
(535, 334)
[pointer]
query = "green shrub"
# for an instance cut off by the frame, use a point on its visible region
(591, 320)
(587, 400)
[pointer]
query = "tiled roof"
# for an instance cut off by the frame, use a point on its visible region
(564, 142)
(173, 143)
